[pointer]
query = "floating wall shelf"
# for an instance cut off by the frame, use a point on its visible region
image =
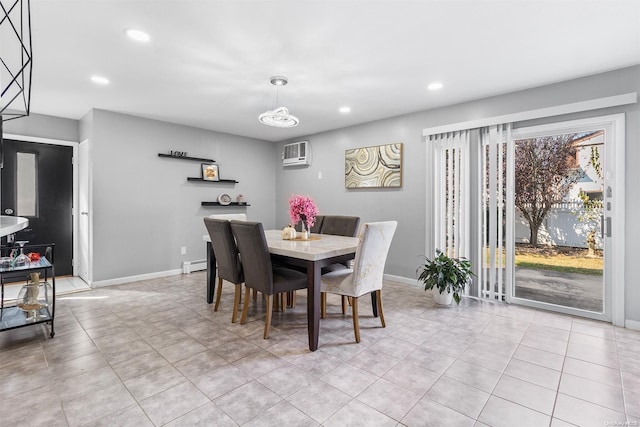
(232, 204)
(223, 181)
(195, 159)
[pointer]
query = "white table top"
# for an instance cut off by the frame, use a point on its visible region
(12, 224)
(326, 246)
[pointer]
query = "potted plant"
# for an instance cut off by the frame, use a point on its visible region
(445, 274)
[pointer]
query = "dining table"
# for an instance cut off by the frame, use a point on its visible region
(311, 254)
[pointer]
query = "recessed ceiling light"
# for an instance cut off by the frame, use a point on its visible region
(435, 86)
(100, 80)
(345, 109)
(137, 35)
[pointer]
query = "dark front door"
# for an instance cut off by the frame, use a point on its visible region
(37, 183)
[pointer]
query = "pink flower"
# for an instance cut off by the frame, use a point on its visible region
(302, 208)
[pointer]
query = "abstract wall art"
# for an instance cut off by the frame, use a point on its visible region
(373, 167)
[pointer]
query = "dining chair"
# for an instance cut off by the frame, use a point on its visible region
(367, 273)
(340, 225)
(229, 267)
(259, 273)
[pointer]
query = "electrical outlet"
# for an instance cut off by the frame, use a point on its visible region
(183, 250)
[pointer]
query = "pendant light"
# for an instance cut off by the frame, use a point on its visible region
(278, 116)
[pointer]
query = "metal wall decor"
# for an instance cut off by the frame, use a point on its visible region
(16, 58)
(374, 167)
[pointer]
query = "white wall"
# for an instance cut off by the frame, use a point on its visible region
(145, 210)
(408, 204)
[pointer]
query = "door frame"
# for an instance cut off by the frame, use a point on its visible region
(74, 213)
(89, 212)
(614, 269)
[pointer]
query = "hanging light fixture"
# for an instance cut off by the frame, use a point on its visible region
(15, 61)
(278, 116)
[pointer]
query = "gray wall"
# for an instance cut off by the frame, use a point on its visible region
(145, 210)
(409, 206)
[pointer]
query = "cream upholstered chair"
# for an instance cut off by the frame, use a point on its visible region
(367, 272)
(229, 267)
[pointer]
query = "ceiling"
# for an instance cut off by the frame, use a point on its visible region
(208, 63)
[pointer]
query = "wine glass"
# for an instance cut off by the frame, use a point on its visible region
(21, 260)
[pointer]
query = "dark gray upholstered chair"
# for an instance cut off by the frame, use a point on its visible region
(259, 273)
(340, 225)
(227, 258)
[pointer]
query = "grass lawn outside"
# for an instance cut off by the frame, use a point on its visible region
(560, 259)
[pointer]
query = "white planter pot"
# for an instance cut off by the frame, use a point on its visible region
(444, 298)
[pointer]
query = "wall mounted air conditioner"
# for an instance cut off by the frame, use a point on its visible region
(296, 154)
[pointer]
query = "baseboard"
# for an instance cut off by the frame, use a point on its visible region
(632, 324)
(191, 266)
(129, 279)
(401, 279)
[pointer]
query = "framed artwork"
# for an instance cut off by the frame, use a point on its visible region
(373, 167)
(210, 172)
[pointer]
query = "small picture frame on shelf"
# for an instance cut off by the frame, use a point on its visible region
(210, 172)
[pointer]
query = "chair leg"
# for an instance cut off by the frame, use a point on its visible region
(293, 299)
(236, 303)
(267, 320)
(379, 304)
(255, 295)
(344, 304)
(323, 305)
(283, 301)
(356, 324)
(218, 294)
(245, 308)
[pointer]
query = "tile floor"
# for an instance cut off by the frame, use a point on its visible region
(154, 353)
(64, 285)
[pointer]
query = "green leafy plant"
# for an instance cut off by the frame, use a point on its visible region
(445, 273)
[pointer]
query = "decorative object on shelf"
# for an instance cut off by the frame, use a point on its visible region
(447, 277)
(178, 153)
(373, 167)
(288, 233)
(303, 209)
(240, 199)
(33, 297)
(224, 199)
(172, 155)
(210, 172)
(278, 116)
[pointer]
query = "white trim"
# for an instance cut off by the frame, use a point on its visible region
(403, 280)
(27, 138)
(632, 324)
(129, 279)
(558, 110)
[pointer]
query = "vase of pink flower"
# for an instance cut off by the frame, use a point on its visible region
(302, 209)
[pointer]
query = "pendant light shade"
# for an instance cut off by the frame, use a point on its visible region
(279, 117)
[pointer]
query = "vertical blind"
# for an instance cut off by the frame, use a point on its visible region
(494, 232)
(451, 192)
(454, 182)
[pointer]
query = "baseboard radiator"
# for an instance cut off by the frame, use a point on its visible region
(191, 266)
